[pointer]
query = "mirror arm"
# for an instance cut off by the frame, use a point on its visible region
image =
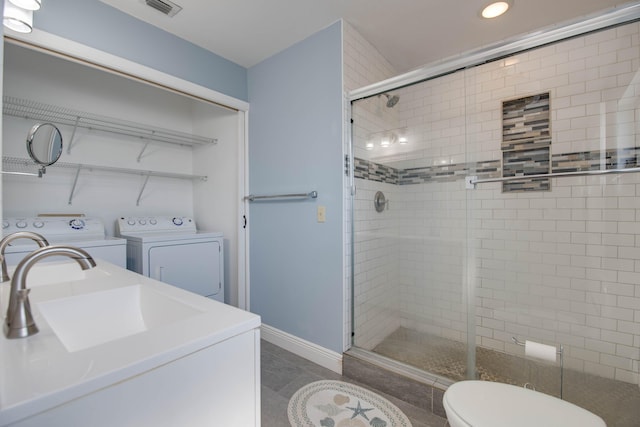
(75, 182)
(73, 134)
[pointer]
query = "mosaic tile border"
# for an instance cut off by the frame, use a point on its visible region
(622, 158)
(618, 158)
(448, 173)
(375, 172)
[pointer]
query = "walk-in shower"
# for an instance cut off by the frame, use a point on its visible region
(512, 210)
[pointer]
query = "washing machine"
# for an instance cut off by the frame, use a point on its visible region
(172, 250)
(82, 232)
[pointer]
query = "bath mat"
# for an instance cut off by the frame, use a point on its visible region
(340, 404)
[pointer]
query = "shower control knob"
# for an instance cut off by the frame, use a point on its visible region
(21, 224)
(177, 221)
(38, 224)
(76, 224)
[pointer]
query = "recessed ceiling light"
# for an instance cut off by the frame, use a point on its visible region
(495, 9)
(16, 18)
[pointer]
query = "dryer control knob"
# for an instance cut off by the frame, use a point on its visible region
(177, 221)
(76, 224)
(21, 224)
(131, 222)
(5, 224)
(142, 222)
(153, 221)
(38, 224)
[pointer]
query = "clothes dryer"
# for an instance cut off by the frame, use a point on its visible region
(82, 232)
(173, 251)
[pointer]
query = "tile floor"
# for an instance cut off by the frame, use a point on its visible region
(283, 373)
(618, 403)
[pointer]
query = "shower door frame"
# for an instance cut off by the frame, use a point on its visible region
(608, 19)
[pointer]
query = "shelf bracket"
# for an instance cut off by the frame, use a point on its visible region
(73, 134)
(75, 182)
(146, 144)
(142, 189)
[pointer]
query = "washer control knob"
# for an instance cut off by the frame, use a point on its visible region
(177, 221)
(131, 221)
(153, 221)
(21, 224)
(5, 224)
(142, 222)
(38, 224)
(76, 224)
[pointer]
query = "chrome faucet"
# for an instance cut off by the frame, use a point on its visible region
(19, 322)
(40, 240)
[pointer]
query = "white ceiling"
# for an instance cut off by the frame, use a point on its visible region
(409, 33)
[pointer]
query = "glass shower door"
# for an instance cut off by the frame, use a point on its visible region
(410, 269)
(555, 259)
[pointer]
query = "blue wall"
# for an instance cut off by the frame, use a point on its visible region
(103, 27)
(295, 145)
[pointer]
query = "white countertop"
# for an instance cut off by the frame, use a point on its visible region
(38, 373)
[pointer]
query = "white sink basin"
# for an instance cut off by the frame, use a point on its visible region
(44, 274)
(47, 273)
(91, 319)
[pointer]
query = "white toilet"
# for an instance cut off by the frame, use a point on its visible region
(491, 404)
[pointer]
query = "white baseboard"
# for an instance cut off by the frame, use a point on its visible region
(324, 357)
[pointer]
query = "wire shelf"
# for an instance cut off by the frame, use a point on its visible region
(44, 112)
(20, 166)
(17, 164)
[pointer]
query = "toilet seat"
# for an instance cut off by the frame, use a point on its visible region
(491, 404)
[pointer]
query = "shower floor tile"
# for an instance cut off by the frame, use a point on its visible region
(617, 402)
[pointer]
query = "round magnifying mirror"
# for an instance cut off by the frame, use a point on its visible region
(44, 144)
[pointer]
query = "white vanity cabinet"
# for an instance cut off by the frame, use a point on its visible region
(192, 362)
(214, 386)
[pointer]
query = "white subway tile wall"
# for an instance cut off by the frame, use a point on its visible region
(559, 266)
(364, 65)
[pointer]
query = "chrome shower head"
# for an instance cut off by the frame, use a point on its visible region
(392, 100)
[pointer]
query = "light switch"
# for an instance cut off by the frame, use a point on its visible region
(322, 214)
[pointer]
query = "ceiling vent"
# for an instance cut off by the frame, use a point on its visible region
(167, 7)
